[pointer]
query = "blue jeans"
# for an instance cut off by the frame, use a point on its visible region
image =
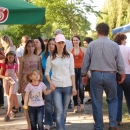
(36, 117)
(61, 97)
(126, 89)
(120, 98)
(79, 87)
(50, 113)
(103, 81)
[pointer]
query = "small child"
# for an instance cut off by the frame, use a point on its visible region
(9, 71)
(33, 99)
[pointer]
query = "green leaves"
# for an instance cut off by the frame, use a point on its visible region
(70, 16)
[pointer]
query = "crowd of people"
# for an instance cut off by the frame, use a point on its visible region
(50, 73)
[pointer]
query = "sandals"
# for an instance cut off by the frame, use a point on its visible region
(76, 109)
(16, 110)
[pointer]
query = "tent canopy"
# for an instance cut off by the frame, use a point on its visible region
(124, 29)
(20, 12)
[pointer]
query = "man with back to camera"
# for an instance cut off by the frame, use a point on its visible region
(103, 58)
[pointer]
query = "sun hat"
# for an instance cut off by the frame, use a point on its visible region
(60, 38)
(58, 31)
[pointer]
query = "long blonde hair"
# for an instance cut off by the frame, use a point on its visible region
(8, 41)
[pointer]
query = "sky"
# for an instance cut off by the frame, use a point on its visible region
(92, 17)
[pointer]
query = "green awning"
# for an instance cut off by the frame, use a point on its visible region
(20, 12)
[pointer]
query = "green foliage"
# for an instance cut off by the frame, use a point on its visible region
(70, 16)
(115, 13)
(17, 31)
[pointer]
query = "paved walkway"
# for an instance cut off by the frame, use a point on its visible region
(75, 121)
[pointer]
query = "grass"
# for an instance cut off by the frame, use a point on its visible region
(125, 117)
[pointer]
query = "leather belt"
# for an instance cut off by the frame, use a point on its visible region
(103, 71)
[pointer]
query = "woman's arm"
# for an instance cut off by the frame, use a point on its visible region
(40, 64)
(71, 69)
(47, 71)
(21, 60)
(1, 74)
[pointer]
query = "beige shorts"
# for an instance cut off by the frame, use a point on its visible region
(9, 88)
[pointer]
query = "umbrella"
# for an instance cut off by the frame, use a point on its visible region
(20, 12)
(123, 29)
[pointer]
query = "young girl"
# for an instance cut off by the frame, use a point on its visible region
(9, 71)
(28, 62)
(33, 99)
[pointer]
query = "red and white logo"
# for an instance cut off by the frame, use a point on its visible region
(4, 13)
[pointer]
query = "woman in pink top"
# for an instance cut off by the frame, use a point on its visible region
(120, 39)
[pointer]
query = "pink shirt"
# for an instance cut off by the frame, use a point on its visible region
(12, 66)
(35, 94)
(125, 51)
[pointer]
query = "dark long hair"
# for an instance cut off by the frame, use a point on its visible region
(64, 54)
(78, 38)
(12, 54)
(42, 43)
(46, 50)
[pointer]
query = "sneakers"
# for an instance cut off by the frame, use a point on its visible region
(88, 101)
(112, 128)
(47, 127)
(7, 118)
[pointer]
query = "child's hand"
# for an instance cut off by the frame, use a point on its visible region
(52, 87)
(25, 107)
(7, 78)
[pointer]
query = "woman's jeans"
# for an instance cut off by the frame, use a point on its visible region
(50, 113)
(103, 81)
(125, 86)
(36, 115)
(79, 87)
(61, 97)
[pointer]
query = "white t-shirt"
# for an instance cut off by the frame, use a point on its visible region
(125, 51)
(20, 51)
(35, 94)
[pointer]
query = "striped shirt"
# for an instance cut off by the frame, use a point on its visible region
(103, 55)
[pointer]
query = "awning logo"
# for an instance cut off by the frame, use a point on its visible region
(4, 13)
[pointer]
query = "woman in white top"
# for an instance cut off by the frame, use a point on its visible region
(63, 78)
(120, 39)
